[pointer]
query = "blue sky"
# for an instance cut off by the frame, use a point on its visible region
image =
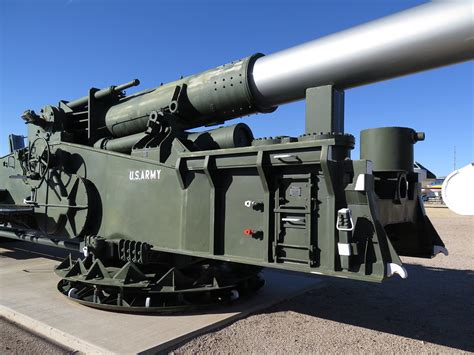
(53, 50)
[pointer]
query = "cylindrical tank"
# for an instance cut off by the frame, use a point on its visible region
(418, 39)
(234, 136)
(458, 191)
(389, 148)
(121, 145)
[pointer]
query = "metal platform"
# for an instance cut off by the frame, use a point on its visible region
(15, 210)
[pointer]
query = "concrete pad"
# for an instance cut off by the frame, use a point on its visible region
(28, 296)
(433, 205)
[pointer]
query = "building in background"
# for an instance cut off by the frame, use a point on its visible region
(430, 184)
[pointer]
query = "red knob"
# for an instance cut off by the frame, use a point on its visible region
(248, 231)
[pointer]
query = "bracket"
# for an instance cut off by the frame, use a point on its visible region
(324, 110)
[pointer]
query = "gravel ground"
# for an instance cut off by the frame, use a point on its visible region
(431, 311)
(17, 340)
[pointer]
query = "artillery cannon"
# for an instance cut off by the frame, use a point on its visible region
(168, 218)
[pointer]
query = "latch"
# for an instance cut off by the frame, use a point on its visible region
(255, 205)
(345, 248)
(344, 220)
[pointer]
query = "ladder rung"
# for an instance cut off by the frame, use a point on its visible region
(280, 258)
(292, 246)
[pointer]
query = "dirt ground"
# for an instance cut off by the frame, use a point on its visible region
(431, 311)
(17, 340)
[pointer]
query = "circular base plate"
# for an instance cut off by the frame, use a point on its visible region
(201, 285)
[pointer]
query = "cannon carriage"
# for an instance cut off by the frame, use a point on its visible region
(168, 218)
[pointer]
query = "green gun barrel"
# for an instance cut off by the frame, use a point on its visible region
(208, 98)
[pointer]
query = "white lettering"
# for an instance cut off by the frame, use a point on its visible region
(146, 174)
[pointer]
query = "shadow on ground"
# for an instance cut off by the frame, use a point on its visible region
(24, 251)
(432, 305)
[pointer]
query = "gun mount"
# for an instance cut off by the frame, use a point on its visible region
(168, 218)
